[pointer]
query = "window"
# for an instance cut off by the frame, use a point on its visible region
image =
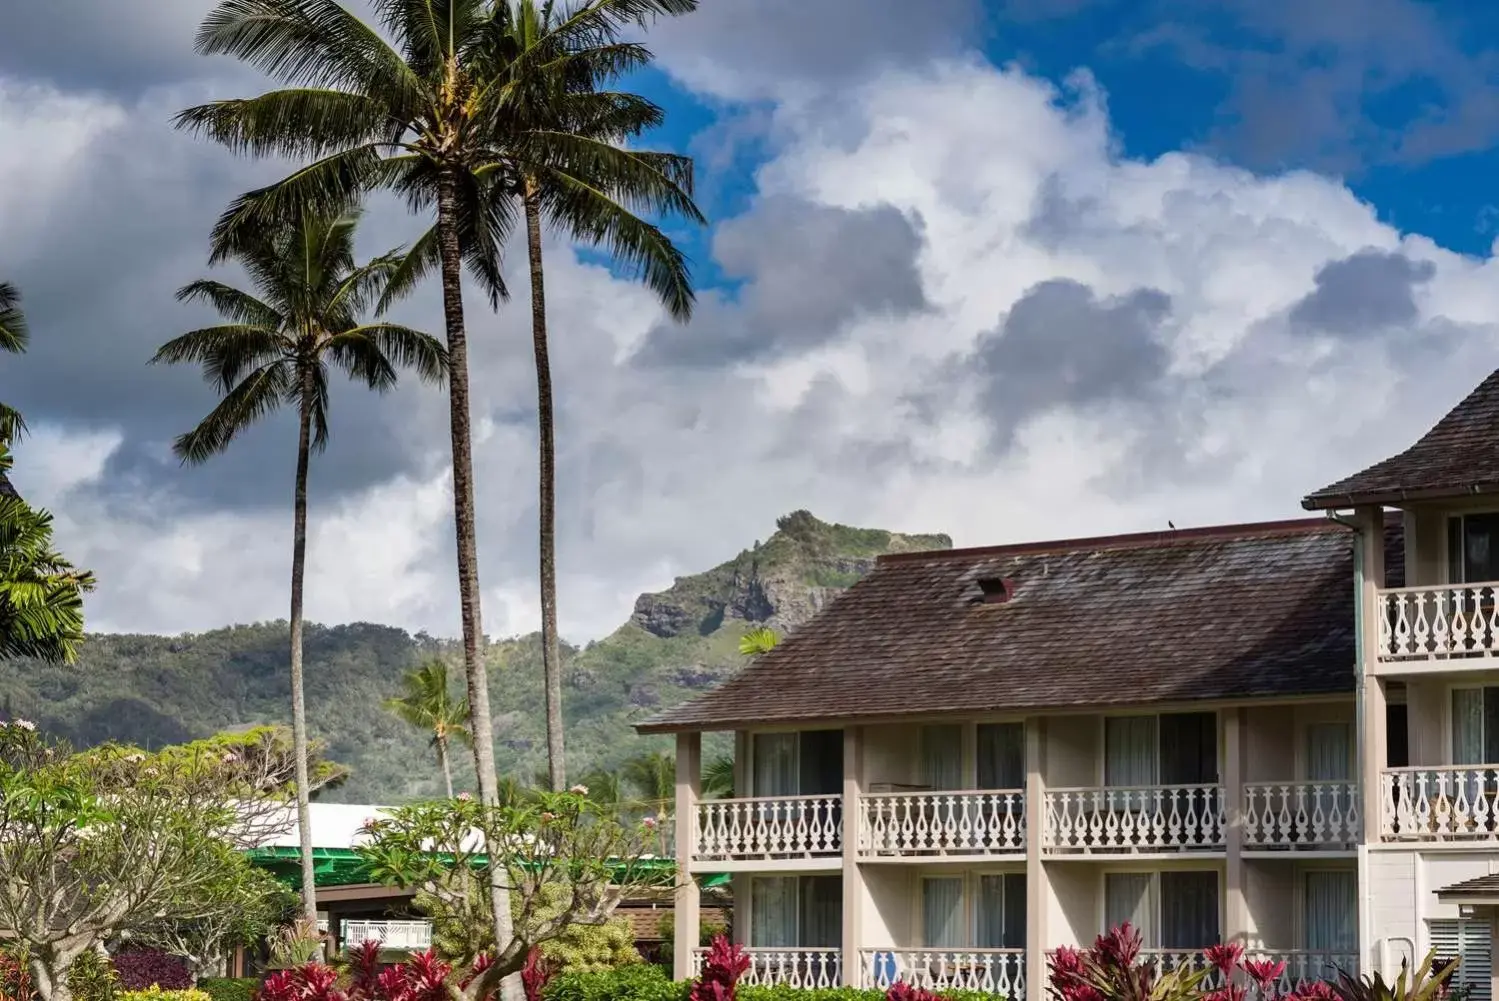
(791, 911)
(790, 764)
(982, 912)
(1329, 752)
(1173, 910)
(1475, 726)
(1473, 548)
(1170, 749)
(1469, 943)
(1001, 756)
(942, 756)
(1330, 911)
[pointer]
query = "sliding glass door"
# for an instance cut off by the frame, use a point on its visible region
(1175, 910)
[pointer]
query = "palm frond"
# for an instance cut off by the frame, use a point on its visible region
(14, 333)
(408, 269)
(256, 397)
(226, 352)
(231, 303)
(372, 351)
(301, 123)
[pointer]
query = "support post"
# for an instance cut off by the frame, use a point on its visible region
(853, 876)
(1037, 883)
(1236, 905)
(686, 919)
(1374, 742)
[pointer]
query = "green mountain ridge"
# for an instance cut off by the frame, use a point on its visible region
(155, 690)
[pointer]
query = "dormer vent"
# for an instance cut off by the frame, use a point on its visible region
(996, 590)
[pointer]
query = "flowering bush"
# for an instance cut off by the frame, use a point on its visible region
(15, 979)
(536, 974)
(902, 991)
(139, 969)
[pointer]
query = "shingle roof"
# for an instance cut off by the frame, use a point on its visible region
(1235, 612)
(1459, 455)
(1481, 886)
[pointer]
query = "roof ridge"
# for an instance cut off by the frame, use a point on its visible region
(1129, 540)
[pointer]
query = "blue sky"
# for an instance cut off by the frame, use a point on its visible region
(1009, 271)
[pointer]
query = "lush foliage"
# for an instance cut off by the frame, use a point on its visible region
(92, 978)
(41, 593)
(724, 964)
(1431, 981)
(229, 988)
(138, 969)
(160, 994)
(295, 943)
(14, 337)
(565, 861)
(1113, 969)
(15, 977)
(115, 843)
(428, 704)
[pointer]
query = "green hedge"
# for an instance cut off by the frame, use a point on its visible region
(229, 988)
(642, 982)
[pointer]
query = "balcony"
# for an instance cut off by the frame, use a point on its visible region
(937, 824)
(769, 828)
(407, 936)
(807, 968)
(992, 971)
(1134, 820)
(1301, 816)
(1303, 966)
(1449, 803)
(1422, 628)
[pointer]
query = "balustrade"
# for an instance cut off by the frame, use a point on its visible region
(1301, 815)
(942, 823)
(1134, 819)
(1446, 803)
(793, 967)
(993, 971)
(768, 828)
(1437, 623)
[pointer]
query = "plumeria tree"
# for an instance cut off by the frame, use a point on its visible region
(115, 843)
(564, 860)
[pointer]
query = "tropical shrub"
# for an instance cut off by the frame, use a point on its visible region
(15, 978)
(138, 969)
(157, 994)
(536, 973)
(1425, 984)
(724, 964)
(92, 978)
(228, 988)
(637, 982)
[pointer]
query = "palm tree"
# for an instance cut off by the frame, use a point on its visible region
(653, 777)
(582, 123)
(275, 349)
(41, 593)
(14, 336)
(429, 706)
(718, 777)
(439, 115)
(761, 639)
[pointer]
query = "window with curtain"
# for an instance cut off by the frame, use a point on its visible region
(1129, 751)
(942, 756)
(1329, 752)
(1188, 748)
(1128, 896)
(822, 912)
(942, 924)
(1473, 548)
(773, 911)
(1000, 912)
(1001, 756)
(1331, 911)
(1475, 726)
(774, 764)
(1189, 910)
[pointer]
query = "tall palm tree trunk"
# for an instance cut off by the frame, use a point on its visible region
(442, 761)
(463, 520)
(298, 704)
(551, 647)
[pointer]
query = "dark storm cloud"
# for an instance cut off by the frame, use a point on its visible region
(115, 45)
(807, 272)
(1363, 294)
(1061, 347)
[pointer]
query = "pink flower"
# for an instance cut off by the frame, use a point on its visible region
(464, 797)
(650, 823)
(1224, 956)
(1264, 971)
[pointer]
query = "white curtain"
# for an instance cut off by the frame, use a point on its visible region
(942, 757)
(1329, 752)
(1001, 756)
(1331, 910)
(1001, 912)
(942, 913)
(773, 911)
(1127, 896)
(1129, 751)
(775, 764)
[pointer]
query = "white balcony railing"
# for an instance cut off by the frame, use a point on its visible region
(768, 827)
(942, 823)
(1438, 623)
(1134, 819)
(1304, 967)
(1447, 803)
(793, 967)
(412, 936)
(993, 971)
(1301, 815)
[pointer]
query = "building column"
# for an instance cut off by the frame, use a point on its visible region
(1235, 902)
(687, 906)
(1373, 754)
(1037, 885)
(853, 875)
